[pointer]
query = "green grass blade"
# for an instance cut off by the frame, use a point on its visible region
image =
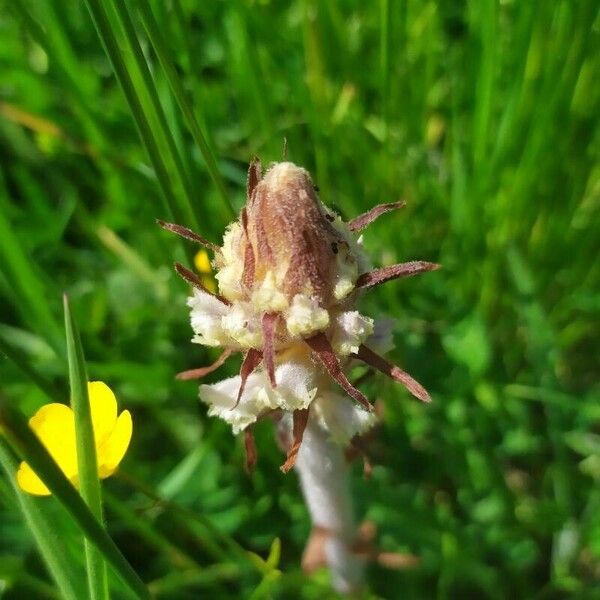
(38, 520)
(38, 588)
(316, 82)
(173, 584)
(14, 426)
(20, 360)
(384, 59)
(162, 52)
(248, 75)
(128, 256)
(27, 286)
(185, 516)
(113, 51)
(50, 39)
(87, 462)
(151, 535)
(485, 81)
(148, 94)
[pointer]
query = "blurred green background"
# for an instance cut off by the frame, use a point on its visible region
(483, 115)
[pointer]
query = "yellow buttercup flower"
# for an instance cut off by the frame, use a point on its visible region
(203, 266)
(202, 262)
(54, 425)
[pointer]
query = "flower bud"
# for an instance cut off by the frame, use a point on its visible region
(289, 236)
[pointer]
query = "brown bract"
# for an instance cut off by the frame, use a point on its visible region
(287, 233)
(314, 556)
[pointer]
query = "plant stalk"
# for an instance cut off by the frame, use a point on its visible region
(323, 472)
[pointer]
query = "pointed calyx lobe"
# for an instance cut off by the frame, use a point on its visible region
(300, 420)
(203, 371)
(269, 323)
(188, 234)
(196, 282)
(372, 278)
(251, 361)
(378, 362)
(249, 259)
(250, 449)
(362, 221)
(323, 351)
(254, 176)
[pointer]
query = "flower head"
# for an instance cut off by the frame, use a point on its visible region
(54, 425)
(289, 274)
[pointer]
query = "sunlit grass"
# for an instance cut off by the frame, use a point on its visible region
(483, 116)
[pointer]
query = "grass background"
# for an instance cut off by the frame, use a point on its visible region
(482, 115)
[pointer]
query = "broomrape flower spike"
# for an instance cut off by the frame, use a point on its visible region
(289, 273)
(54, 424)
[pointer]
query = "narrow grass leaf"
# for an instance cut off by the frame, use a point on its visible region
(27, 286)
(384, 59)
(173, 584)
(164, 56)
(87, 461)
(485, 80)
(39, 521)
(146, 131)
(189, 518)
(247, 74)
(149, 533)
(147, 92)
(20, 360)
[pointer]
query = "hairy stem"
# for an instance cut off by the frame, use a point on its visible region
(321, 466)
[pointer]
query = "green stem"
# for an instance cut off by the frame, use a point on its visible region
(87, 462)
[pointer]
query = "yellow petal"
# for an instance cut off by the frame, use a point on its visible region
(209, 283)
(54, 425)
(103, 405)
(111, 453)
(202, 262)
(29, 482)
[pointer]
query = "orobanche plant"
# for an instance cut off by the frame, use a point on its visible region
(290, 272)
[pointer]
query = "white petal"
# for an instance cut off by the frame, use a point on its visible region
(341, 417)
(296, 388)
(242, 325)
(229, 279)
(345, 278)
(351, 260)
(206, 314)
(296, 384)
(268, 297)
(230, 265)
(305, 316)
(350, 329)
(221, 398)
